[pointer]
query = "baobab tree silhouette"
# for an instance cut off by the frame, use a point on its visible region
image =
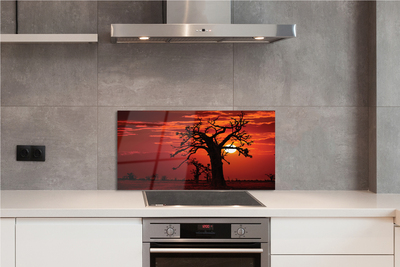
(207, 172)
(198, 169)
(131, 176)
(215, 139)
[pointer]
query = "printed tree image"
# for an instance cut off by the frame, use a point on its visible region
(270, 176)
(131, 176)
(207, 172)
(216, 140)
(198, 169)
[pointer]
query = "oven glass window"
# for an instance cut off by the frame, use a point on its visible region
(205, 260)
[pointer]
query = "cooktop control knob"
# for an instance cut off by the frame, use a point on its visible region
(241, 231)
(170, 231)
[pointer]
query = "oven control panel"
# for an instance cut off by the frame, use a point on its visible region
(165, 230)
(239, 230)
(205, 229)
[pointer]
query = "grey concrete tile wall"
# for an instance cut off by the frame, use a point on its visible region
(49, 75)
(326, 65)
(387, 105)
(7, 17)
(107, 148)
(318, 84)
(57, 17)
(1, 9)
(0, 134)
(322, 148)
(197, 75)
(70, 137)
(388, 56)
(372, 104)
(372, 151)
(49, 17)
(388, 149)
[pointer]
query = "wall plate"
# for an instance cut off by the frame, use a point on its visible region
(31, 153)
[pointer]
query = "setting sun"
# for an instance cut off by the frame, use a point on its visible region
(230, 148)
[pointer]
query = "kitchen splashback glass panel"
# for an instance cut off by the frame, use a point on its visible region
(196, 150)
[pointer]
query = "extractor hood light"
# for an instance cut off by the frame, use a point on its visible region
(259, 38)
(144, 38)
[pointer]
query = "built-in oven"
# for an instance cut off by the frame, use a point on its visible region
(206, 242)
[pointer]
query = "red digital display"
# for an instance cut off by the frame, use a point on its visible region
(205, 227)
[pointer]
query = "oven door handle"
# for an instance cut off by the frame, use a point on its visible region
(206, 250)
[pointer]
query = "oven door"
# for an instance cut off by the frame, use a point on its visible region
(205, 255)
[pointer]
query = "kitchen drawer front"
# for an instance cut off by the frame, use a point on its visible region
(7, 245)
(332, 236)
(331, 261)
(78, 242)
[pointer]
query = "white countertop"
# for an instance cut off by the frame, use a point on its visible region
(109, 203)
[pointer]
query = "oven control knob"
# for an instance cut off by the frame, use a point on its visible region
(170, 231)
(241, 231)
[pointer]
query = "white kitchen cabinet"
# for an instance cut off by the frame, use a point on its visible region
(332, 260)
(397, 246)
(78, 242)
(7, 237)
(332, 236)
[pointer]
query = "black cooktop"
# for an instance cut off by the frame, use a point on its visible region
(200, 198)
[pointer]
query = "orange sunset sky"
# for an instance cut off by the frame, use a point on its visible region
(146, 140)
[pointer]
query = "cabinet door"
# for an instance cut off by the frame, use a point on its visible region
(78, 242)
(331, 260)
(397, 246)
(7, 236)
(332, 236)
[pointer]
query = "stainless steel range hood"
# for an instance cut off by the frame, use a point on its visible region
(200, 22)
